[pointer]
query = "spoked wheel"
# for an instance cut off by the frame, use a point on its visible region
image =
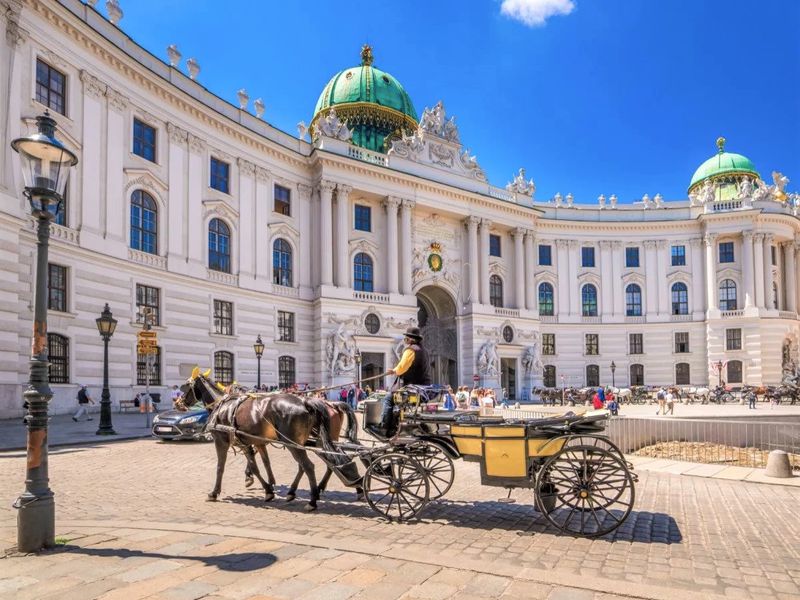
(438, 467)
(396, 486)
(585, 490)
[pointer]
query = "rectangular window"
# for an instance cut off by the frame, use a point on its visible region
(545, 255)
(726, 252)
(774, 254)
(283, 200)
(363, 218)
(549, 344)
(681, 342)
(286, 372)
(57, 288)
(51, 87)
(678, 256)
(592, 344)
(285, 326)
(223, 317)
(494, 245)
(154, 370)
(58, 356)
(733, 339)
(220, 175)
(636, 343)
(147, 299)
(632, 257)
(144, 140)
(587, 256)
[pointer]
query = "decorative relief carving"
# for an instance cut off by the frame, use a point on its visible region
(304, 189)
(221, 209)
(391, 203)
(92, 86)
(329, 126)
(518, 185)
(441, 155)
(116, 100)
(408, 204)
(197, 145)
(327, 186)
(710, 238)
(343, 190)
(246, 168)
(176, 134)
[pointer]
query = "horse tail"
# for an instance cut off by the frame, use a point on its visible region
(320, 411)
(352, 423)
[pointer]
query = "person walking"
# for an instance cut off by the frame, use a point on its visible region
(670, 402)
(751, 399)
(84, 399)
(597, 402)
(175, 395)
(661, 396)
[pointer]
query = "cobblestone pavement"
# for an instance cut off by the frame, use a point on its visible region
(688, 537)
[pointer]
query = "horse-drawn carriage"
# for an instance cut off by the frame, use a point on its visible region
(581, 481)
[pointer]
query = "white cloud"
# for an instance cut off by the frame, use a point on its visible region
(534, 13)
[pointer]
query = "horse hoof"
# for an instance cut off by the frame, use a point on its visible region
(289, 497)
(211, 498)
(269, 497)
(310, 507)
(248, 481)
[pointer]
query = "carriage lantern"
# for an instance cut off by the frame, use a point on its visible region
(258, 347)
(613, 370)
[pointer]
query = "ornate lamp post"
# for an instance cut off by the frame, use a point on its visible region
(106, 324)
(258, 347)
(719, 372)
(45, 169)
(613, 370)
(358, 370)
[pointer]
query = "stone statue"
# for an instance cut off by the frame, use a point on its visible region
(613, 200)
(518, 185)
(331, 126)
(470, 163)
(745, 189)
(780, 181)
(557, 199)
(340, 351)
(602, 200)
(409, 146)
(762, 191)
(706, 194)
(570, 199)
(432, 120)
(450, 132)
(646, 200)
(659, 200)
(488, 360)
(531, 361)
(302, 129)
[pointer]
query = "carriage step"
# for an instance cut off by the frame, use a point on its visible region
(507, 500)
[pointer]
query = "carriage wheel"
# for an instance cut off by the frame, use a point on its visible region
(438, 467)
(585, 490)
(396, 486)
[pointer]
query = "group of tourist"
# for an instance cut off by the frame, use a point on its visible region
(605, 399)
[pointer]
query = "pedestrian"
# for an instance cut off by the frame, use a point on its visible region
(175, 395)
(504, 401)
(351, 397)
(751, 399)
(602, 393)
(343, 394)
(84, 399)
(597, 402)
(474, 398)
(612, 405)
(661, 396)
(670, 401)
(449, 401)
(462, 398)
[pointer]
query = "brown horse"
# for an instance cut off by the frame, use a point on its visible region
(254, 419)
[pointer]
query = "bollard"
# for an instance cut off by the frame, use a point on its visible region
(778, 464)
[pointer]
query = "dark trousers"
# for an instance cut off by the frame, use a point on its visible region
(751, 401)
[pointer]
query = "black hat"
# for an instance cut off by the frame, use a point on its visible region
(413, 333)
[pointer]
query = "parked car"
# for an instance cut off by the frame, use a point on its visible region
(181, 425)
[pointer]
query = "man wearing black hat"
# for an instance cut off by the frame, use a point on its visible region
(413, 369)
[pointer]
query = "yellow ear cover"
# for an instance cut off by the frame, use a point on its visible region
(195, 372)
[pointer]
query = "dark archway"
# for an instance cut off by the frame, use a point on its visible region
(436, 314)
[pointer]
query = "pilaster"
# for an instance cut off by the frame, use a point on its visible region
(698, 289)
(262, 260)
(177, 204)
(406, 246)
(474, 264)
(747, 269)
(768, 278)
(247, 221)
(342, 235)
(484, 258)
(392, 204)
(532, 294)
(758, 268)
(519, 268)
(326, 231)
(710, 241)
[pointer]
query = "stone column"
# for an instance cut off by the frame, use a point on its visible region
(14, 62)
(303, 213)
(572, 282)
(263, 256)
(758, 268)
(698, 289)
(247, 218)
(768, 279)
(342, 236)
(617, 292)
(606, 274)
(662, 285)
(114, 204)
(710, 241)
(562, 293)
(392, 257)
(532, 295)
(406, 247)
(484, 258)
(326, 232)
(519, 268)
(747, 269)
(651, 278)
(474, 265)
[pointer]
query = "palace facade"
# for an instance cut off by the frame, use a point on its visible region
(330, 244)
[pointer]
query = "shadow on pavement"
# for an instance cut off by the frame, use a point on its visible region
(243, 561)
(640, 526)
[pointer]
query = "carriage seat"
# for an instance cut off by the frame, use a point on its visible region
(446, 417)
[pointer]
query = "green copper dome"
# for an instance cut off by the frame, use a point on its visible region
(723, 165)
(372, 102)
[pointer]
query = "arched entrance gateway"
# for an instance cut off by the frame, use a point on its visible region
(436, 314)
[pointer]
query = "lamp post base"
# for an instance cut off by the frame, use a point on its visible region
(36, 522)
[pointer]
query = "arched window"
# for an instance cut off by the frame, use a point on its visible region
(496, 291)
(148, 365)
(727, 295)
(546, 304)
(144, 222)
(362, 272)
(589, 300)
(223, 367)
(734, 371)
(633, 301)
(549, 377)
(286, 372)
(58, 355)
(682, 376)
(219, 246)
(680, 299)
(592, 375)
(774, 295)
(637, 374)
(282, 263)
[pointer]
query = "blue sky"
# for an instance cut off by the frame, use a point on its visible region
(617, 96)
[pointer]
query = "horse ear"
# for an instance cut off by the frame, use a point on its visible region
(207, 373)
(195, 373)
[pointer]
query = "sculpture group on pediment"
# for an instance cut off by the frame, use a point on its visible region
(331, 126)
(780, 182)
(410, 145)
(519, 185)
(433, 122)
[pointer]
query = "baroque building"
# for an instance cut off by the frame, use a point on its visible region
(329, 245)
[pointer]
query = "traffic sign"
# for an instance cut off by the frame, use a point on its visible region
(147, 335)
(476, 378)
(146, 349)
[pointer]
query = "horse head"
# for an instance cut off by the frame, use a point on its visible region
(199, 387)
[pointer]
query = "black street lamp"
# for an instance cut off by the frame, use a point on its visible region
(613, 370)
(106, 324)
(358, 370)
(45, 169)
(719, 372)
(259, 350)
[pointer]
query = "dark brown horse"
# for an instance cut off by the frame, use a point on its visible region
(259, 419)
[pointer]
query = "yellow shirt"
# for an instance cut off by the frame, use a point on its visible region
(405, 361)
